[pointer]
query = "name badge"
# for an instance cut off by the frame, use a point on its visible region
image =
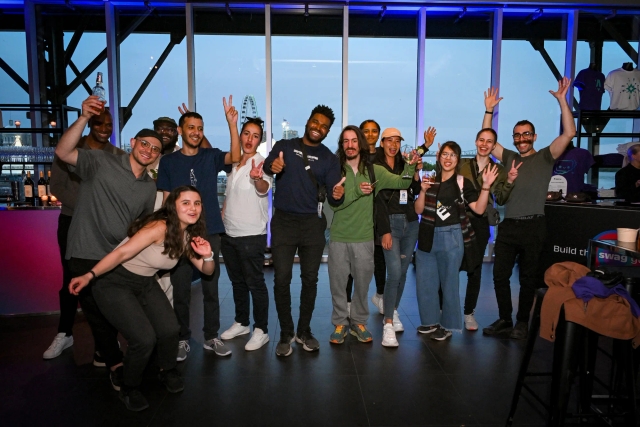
(403, 197)
(320, 210)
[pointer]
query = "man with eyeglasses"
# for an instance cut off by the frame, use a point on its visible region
(199, 167)
(522, 233)
(115, 190)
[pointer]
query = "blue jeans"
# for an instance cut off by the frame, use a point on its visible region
(441, 267)
(397, 259)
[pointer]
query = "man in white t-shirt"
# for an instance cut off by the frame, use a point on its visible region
(245, 215)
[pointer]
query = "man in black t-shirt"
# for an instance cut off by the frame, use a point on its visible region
(628, 178)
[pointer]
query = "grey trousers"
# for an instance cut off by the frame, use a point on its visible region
(355, 259)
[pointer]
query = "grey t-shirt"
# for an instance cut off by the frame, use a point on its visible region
(110, 199)
(530, 189)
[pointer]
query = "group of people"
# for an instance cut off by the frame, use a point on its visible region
(133, 225)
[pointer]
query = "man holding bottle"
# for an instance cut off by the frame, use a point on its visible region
(115, 189)
(65, 185)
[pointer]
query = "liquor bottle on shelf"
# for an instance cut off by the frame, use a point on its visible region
(98, 89)
(29, 190)
(48, 183)
(42, 186)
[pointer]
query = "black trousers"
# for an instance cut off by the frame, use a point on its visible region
(522, 238)
(104, 334)
(483, 234)
(68, 301)
(291, 233)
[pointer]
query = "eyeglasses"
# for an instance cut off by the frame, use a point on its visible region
(449, 155)
(522, 135)
(146, 145)
(166, 130)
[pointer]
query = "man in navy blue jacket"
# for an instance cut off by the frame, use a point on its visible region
(307, 174)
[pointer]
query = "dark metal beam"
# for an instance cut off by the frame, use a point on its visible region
(75, 39)
(539, 46)
(14, 76)
(624, 44)
(128, 111)
(77, 73)
(103, 55)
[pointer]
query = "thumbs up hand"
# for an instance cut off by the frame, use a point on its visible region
(278, 164)
(338, 189)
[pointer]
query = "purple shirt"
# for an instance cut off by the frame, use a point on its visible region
(572, 165)
(591, 85)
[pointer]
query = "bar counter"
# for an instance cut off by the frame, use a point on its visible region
(570, 226)
(30, 260)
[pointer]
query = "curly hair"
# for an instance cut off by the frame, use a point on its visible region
(325, 111)
(176, 242)
(362, 144)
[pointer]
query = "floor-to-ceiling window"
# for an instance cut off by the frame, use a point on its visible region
(13, 57)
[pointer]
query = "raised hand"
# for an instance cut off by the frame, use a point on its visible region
(489, 175)
(429, 136)
(491, 98)
(230, 111)
(513, 173)
(92, 106)
(256, 171)
(563, 87)
(78, 283)
(415, 158)
(338, 189)
(183, 109)
(278, 164)
(201, 246)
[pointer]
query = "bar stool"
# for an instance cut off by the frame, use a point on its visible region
(576, 347)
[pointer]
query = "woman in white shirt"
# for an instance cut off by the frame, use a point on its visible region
(245, 214)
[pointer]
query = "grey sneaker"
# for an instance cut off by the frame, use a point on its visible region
(284, 345)
(217, 346)
(308, 341)
(183, 349)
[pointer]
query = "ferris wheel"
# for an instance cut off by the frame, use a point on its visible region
(250, 109)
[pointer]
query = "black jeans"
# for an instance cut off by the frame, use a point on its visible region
(139, 309)
(379, 272)
(104, 334)
(181, 278)
(483, 234)
(68, 301)
(244, 261)
(522, 238)
(304, 234)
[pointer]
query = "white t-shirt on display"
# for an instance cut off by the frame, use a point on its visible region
(624, 89)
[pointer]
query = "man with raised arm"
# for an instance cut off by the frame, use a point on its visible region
(522, 233)
(115, 189)
(199, 167)
(307, 173)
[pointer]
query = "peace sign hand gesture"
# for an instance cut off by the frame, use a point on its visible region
(256, 171)
(230, 111)
(513, 173)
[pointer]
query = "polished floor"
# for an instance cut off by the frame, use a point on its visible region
(467, 380)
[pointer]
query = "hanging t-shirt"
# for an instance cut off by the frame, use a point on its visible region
(624, 89)
(590, 83)
(572, 165)
(448, 199)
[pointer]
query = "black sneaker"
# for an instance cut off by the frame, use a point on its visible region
(117, 378)
(499, 327)
(284, 345)
(98, 360)
(172, 380)
(133, 399)
(427, 329)
(440, 334)
(520, 331)
(308, 341)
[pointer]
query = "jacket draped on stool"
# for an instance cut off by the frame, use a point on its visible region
(609, 316)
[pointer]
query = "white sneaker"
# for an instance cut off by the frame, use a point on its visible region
(470, 322)
(378, 301)
(397, 324)
(60, 342)
(389, 336)
(235, 331)
(258, 339)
